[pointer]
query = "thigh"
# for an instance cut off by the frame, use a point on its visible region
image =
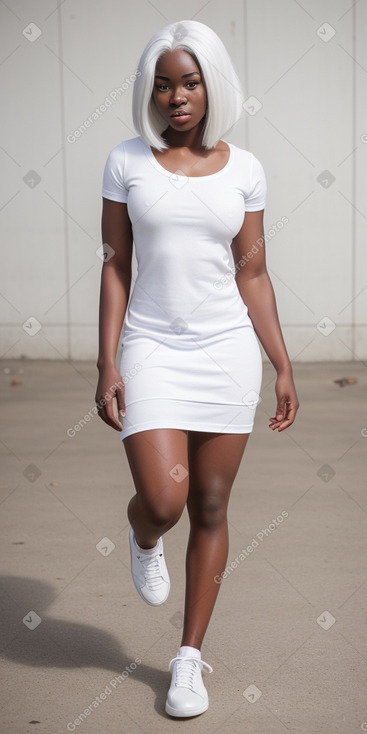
(159, 463)
(214, 460)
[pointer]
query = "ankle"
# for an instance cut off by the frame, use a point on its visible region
(186, 651)
(144, 546)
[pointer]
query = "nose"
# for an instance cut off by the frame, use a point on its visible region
(177, 96)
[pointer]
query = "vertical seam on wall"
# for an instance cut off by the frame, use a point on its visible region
(354, 176)
(64, 186)
(247, 142)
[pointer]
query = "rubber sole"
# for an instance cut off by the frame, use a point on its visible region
(185, 714)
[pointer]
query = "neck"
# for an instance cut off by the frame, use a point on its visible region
(190, 139)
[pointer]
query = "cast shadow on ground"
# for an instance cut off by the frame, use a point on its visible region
(57, 643)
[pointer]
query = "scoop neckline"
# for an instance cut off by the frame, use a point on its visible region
(161, 168)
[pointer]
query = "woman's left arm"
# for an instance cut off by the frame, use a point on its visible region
(255, 287)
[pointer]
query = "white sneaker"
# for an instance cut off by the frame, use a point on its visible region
(149, 572)
(187, 695)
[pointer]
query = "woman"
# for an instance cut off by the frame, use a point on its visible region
(191, 370)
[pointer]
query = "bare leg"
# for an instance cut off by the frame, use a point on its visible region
(160, 498)
(214, 460)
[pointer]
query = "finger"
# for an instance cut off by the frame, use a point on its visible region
(281, 414)
(278, 417)
(283, 424)
(274, 425)
(111, 420)
(120, 397)
(281, 410)
(106, 412)
(113, 415)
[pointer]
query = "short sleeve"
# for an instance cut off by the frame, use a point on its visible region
(113, 186)
(256, 199)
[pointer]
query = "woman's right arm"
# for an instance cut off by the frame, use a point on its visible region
(114, 296)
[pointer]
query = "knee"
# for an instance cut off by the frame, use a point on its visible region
(164, 513)
(208, 509)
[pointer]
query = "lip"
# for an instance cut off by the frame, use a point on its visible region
(177, 115)
(181, 119)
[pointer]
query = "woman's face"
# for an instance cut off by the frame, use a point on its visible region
(179, 90)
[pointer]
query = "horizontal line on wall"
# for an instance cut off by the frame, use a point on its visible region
(64, 325)
(45, 324)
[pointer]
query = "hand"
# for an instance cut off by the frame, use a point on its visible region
(110, 390)
(287, 402)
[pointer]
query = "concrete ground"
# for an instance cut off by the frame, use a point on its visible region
(287, 640)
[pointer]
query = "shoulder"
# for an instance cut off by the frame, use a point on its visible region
(249, 176)
(245, 157)
(132, 145)
(248, 166)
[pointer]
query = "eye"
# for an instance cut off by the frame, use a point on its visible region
(192, 84)
(161, 87)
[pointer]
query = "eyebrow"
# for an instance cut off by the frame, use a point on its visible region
(166, 78)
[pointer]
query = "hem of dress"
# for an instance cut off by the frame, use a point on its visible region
(185, 426)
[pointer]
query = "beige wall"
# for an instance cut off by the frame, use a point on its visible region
(309, 81)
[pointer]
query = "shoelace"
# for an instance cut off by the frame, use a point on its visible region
(186, 670)
(152, 571)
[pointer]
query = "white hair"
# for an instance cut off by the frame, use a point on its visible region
(223, 88)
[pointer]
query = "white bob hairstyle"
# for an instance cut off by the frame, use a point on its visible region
(223, 87)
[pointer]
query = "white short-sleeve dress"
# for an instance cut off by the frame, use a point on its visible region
(190, 357)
